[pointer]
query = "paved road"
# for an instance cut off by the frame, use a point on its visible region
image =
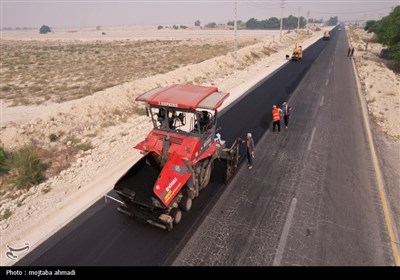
(336, 203)
(311, 198)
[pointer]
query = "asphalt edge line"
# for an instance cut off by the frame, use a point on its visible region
(285, 234)
(378, 174)
(311, 139)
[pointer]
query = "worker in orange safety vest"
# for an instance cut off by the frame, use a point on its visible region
(276, 118)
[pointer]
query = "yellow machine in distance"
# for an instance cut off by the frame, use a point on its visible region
(297, 53)
(326, 36)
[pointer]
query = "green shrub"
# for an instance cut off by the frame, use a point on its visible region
(7, 214)
(44, 29)
(46, 190)
(53, 137)
(139, 110)
(84, 146)
(394, 53)
(3, 161)
(6, 88)
(28, 167)
(73, 139)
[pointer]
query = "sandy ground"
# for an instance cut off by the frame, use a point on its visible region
(381, 88)
(131, 33)
(95, 171)
(380, 85)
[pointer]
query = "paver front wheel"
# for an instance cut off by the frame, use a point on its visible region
(176, 214)
(186, 203)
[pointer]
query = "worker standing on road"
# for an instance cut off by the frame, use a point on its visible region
(352, 51)
(276, 118)
(286, 112)
(250, 149)
(349, 52)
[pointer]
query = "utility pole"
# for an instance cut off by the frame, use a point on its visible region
(282, 6)
(235, 31)
(308, 18)
(298, 19)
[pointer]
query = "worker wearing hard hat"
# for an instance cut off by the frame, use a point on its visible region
(250, 150)
(276, 118)
(286, 113)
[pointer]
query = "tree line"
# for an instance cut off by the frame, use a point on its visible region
(274, 23)
(290, 22)
(388, 32)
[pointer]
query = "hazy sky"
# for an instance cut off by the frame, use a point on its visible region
(87, 13)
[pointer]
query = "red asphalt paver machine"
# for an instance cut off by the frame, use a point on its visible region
(178, 154)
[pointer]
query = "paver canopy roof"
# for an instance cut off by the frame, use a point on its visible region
(185, 96)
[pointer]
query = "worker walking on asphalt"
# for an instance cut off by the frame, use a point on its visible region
(250, 149)
(286, 112)
(276, 118)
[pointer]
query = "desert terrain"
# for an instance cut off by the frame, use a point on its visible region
(71, 94)
(381, 88)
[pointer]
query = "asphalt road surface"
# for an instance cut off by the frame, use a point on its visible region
(310, 199)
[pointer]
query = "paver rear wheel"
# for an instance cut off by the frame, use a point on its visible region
(191, 194)
(205, 174)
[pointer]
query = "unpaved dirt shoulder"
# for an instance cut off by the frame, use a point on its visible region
(379, 84)
(388, 150)
(381, 88)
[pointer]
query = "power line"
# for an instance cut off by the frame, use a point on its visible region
(260, 4)
(193, 1)
(344, 13)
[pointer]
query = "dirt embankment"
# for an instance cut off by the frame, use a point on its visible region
(381, 88)
(380, 85)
